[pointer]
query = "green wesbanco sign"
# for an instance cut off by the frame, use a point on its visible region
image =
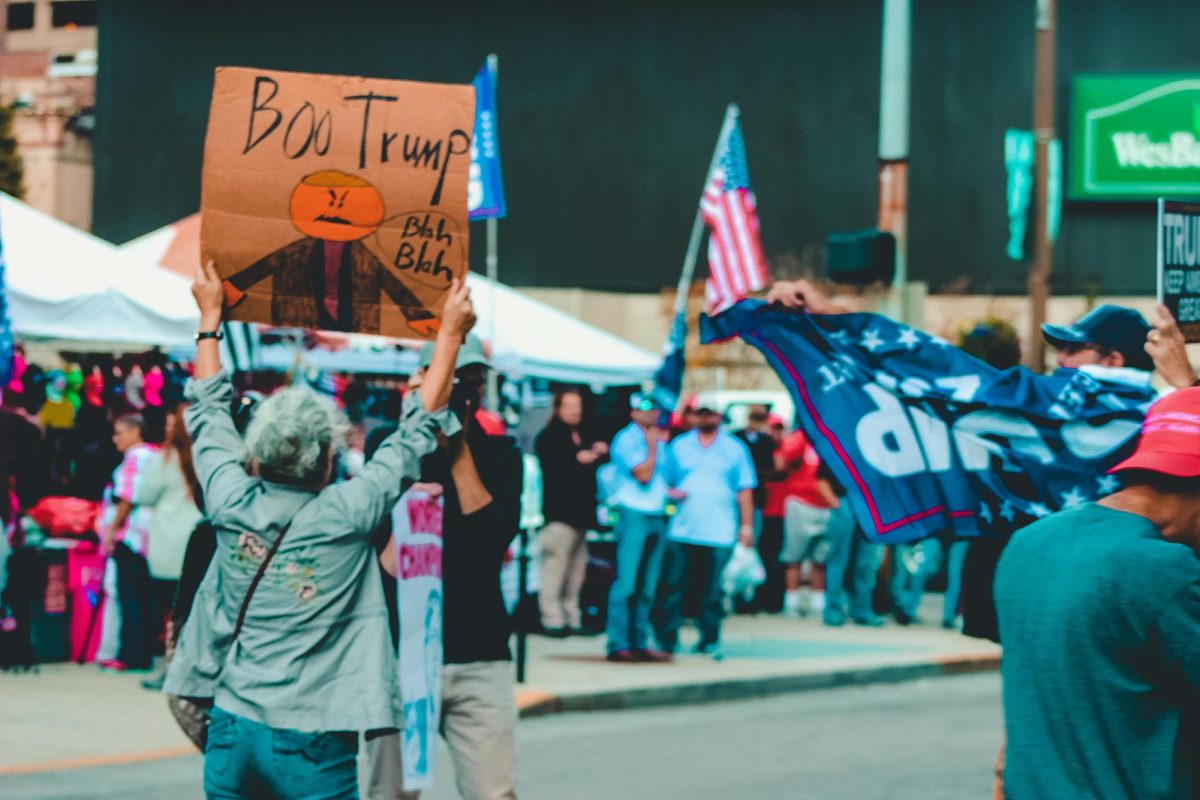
(1135, 136)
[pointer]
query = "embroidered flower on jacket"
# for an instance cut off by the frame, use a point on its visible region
(252, 547)
(306, 590)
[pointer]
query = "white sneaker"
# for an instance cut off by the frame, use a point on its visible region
(806, 604)
(792, 603)
(817, 601)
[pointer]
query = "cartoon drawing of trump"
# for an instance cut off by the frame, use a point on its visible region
(329, 279)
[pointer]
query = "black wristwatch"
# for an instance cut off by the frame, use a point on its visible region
(202, 335)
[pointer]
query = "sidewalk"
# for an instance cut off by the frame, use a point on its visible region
(68, 716)
(763, 655)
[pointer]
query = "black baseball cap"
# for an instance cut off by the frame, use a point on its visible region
(1121, 329)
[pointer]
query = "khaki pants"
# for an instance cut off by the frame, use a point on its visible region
(479, 720)
(564, 565)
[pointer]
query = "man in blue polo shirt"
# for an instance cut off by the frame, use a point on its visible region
(714, 474)
(638, 491)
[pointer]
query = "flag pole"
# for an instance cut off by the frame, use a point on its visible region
(493, 271)
(693, 249)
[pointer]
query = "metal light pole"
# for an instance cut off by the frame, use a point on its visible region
(1043, 131)
(893, 140)
(492, 262)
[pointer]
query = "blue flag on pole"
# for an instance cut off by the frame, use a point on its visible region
(668, 380)
(6, 337)
(926, 438)
(485, 187)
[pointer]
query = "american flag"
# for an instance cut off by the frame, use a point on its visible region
(736, 266)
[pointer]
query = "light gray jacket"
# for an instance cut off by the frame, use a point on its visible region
(315, 652)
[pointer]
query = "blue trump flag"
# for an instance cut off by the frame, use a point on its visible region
(6, 337)
(926, 438)
(485, 187)
(668, 380)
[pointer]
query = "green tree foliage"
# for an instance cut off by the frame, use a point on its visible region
(12, 172)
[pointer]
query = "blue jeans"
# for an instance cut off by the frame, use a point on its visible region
(678, 565)
(867, 557)
(908, 588)
(248, 759)
(640, 542)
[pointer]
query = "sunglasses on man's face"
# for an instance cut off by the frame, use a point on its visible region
(1074, 348)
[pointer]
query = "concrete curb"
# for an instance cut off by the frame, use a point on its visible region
(537, 703)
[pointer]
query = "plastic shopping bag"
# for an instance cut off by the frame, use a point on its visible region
(744, 572)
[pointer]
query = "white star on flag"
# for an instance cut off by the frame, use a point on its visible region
(985, 513)
(1039, 510)
(908, 338)
(871, 340)
(1072, 498)
(1108, 484)
(1007, 511)
(841, 337)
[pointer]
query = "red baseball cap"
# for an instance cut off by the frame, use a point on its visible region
(1170, 441)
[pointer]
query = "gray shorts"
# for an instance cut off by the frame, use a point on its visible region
(802, 525)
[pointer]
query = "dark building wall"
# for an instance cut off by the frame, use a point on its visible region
(972, 78)
(609, 111)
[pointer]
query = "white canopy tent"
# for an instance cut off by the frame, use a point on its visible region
(528, 338)
(67, 285)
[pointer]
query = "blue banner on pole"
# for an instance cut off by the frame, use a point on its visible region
(926, 438)
(1053, 189)
(6, 337)
(1018, 161)
(485, 186)
(668, 380)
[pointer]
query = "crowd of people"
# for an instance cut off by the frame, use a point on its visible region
(681, 493)
(251, 538)
(111, 438)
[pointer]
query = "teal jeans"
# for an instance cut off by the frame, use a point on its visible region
(840, 535)
(248, 759)
(641, 540)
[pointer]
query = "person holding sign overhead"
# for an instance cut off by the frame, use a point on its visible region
(288, 633)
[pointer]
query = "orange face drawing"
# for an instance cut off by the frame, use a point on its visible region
(336, 207)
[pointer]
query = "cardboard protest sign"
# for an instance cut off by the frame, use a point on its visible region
(417, 537)
(335, 202)
(1179, 263)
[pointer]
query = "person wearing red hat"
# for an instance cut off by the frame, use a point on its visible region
(1099, 610)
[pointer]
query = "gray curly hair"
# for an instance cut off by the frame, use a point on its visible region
(292, 432)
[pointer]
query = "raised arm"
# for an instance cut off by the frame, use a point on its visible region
(1166, 345)
(366, 498)
(216, 446)
(458, 317)
(804, 295)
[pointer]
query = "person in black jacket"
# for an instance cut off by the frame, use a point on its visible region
(480, 478)
(568, 457)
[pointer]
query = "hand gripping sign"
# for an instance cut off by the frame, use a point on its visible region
(335, 202)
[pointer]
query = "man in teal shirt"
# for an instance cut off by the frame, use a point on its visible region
(1099, 609)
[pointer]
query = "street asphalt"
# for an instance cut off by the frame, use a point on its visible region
(931, 738)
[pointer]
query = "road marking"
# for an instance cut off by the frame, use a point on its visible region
(98, 761)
